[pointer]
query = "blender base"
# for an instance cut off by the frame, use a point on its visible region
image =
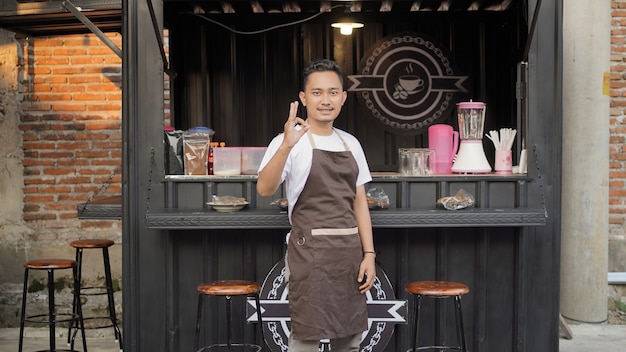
(471, 158)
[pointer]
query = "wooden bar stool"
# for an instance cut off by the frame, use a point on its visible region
(53, 317)
(438, 289)
(107, 289)
(227, 289)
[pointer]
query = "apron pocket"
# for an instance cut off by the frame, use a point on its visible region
(337, 253)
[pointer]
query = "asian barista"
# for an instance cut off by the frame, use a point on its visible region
(330, 254)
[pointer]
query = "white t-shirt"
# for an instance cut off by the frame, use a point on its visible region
(298, 165)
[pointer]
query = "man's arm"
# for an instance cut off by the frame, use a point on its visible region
(269, 178)
(364, 222)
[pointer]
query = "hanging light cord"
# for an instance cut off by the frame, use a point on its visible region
(266, 29)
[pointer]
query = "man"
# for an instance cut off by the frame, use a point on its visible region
(330, 257)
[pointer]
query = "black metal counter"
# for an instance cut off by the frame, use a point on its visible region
(175, 219)
(500, 201)
(486, 245)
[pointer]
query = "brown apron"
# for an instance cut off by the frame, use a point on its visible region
(325, 251)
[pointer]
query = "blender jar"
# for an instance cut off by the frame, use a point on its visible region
(471, 116)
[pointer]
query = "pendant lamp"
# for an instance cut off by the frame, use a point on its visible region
(345, 28)
(347, 23)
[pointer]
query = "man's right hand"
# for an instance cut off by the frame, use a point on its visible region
(270, 177)
(295, 127)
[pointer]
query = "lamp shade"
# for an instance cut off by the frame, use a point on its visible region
(346, 27)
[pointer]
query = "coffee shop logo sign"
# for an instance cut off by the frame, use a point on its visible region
(384, 311)
(407, 82)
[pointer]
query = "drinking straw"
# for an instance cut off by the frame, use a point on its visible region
(503, 140)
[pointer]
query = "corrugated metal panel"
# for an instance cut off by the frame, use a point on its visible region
(39, 18)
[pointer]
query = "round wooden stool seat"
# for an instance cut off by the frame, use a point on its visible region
(92, 243)
(437, 288)
(228, 288)
(45, 264)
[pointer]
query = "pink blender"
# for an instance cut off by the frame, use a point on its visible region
(445, 141)
(471, 157)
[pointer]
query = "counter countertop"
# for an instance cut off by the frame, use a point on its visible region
(388, 218)
(395, 176)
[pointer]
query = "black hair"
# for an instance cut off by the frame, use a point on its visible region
(321, 65)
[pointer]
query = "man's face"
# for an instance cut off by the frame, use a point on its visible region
(323, 96)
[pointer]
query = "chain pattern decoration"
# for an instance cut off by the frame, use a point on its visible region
(371, 65)
(152, 162)
(277, 337)
(541, 190)
(376, 337)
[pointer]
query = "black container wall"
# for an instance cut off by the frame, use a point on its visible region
(241, 85)
(512, 270)
(485, 259)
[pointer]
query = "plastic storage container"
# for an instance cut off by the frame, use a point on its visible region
(251, 159)
(226, 161)
(196, 150)
(173, 139)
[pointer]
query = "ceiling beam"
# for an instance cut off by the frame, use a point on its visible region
(386, 5)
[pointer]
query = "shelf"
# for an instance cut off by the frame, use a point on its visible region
(102, 209)
(501, 201)
(376, 176)
(174, 219)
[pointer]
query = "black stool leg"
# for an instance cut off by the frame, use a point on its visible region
(198, 318)
(51, 315)
(459, 319)
(229, 322)
(109, 284)
(23, 316)
(258, 309)
(76, 300)
(417, 300)
(79, 310)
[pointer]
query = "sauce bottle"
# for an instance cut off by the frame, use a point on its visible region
(210, 158)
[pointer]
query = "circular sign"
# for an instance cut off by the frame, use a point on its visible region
(407, 82)
(383, 311)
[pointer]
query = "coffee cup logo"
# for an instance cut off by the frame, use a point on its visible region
(411, 84)
(407, 85)
(407, 81)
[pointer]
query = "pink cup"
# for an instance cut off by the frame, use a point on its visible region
(503, 164)
(445, 141)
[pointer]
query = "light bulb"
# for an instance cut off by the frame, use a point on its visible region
(345, 28)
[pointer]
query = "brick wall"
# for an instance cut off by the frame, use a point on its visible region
(617, 212)
(72, 136)
(617, 187)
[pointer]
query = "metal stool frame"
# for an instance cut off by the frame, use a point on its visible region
(438, 290)
(229, 344)
(108, 288)
(458, 313)
(52, 318)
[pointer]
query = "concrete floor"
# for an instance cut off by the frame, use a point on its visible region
(36, 339)
(586, 338)
(595, 338)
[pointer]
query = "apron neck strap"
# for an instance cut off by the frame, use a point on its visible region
(310, 135)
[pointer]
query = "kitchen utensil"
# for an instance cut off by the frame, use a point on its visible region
(445, 141)
(471, 157)
(226, 208)
(416, 161)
